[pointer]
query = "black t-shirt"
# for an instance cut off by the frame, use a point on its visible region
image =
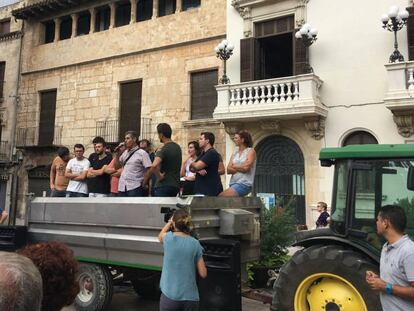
(209, 184)
(102, 183)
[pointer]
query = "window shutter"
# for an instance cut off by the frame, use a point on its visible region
(47, 118)
(203, 94)
(130, 108)
(248, 51)
(300, 56)
(410, 33)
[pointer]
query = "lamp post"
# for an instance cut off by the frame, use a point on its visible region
(394, 21)
(307, 35)
(223, 51)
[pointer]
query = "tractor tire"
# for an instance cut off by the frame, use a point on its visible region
(146, 283)
(329, 278)
(96, 288)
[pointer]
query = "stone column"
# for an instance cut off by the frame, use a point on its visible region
(93, 18)
(113, 8)
(154, 9)
(74, 24)
(178, 6)
(133, 11)
(57, 29)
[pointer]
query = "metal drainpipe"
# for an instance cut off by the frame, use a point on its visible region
(16, 164)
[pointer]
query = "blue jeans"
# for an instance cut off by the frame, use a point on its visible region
(137, 192)
(70, 194)
(166, 191)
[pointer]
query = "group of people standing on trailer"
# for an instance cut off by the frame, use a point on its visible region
(132, 170)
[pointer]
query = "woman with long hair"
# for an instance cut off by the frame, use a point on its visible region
(183, 256)
(187, 176)
(242, 166)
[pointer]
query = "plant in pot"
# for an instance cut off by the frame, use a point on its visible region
(277, 227)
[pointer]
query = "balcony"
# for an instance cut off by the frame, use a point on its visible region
(28, 137)
(295, 97)
(4, 151)
(110, 130)
(399, 96)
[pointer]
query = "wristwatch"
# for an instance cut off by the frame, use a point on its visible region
(388, 288)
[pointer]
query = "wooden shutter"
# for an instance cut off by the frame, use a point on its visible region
(274, 26)
(248, 53)
(410, 33)
(130, 108)
(2, 72)
(47, 118)
(300, 56)
(203, 94)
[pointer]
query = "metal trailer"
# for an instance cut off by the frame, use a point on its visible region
(119, 236)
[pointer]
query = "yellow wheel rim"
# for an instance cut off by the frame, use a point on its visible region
(327, 292)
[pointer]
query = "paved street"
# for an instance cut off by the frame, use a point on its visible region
(125, 299)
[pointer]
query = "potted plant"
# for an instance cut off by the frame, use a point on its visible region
(277, 228)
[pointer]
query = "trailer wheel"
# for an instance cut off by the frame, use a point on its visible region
(330, 278)
(96, 288)
(146, 283)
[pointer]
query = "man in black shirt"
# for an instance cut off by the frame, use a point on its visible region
(99, 183)
(207, 180)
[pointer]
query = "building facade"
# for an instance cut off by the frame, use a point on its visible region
(352, 96)
(99, 68)
(10, 43)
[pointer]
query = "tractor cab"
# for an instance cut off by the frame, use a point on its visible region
(366, 178)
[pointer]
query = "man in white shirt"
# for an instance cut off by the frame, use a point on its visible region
(76, 171)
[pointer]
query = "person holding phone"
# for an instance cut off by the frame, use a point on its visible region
(183, 256)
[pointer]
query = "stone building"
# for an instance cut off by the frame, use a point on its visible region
(10, 42)
(103, 67)
(350, 97)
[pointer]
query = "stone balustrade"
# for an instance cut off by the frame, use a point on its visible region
(399, 96)
(289, 97)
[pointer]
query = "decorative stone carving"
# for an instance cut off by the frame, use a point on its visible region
(247, 33)
(316, 127)
(271, 125)
(232, 128)
(404, 122)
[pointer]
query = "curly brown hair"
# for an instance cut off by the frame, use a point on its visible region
(59, 269)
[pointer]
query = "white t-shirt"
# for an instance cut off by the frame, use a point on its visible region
(77, 167)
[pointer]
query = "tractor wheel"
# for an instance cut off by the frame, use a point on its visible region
(330, 278)
(146, 283)
(96, 288)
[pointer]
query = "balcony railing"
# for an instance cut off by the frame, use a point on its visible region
(29, 137)
(4, 151)
(281, 97)
(109, 130)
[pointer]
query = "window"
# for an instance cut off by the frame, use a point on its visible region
(166, 7)
(2, 74)
(47, 118)
(123, 14)
(188, 4)
(203, 94)
(84, 23)
(65, 28)
(130, 108)
(339, 196)
(359, 138)
(144, 10)
(102, 18)
(49, 31)
(5, 26)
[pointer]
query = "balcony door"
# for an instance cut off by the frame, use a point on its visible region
(281, 170)
(47, 118)
(130, 108)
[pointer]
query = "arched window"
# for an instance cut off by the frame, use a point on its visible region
(359, 138)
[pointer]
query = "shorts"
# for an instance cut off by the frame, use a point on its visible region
(167, 304)
(241, 189)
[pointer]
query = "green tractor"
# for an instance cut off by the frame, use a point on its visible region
(329, 272)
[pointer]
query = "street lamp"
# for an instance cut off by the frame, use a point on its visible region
(307, 35)
(394, 21)
(223, 51)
